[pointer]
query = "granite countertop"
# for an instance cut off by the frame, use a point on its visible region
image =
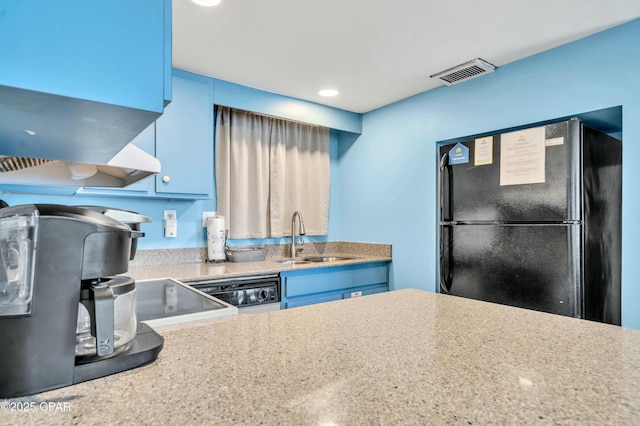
(198, 271)
(402, 357)
(189, 265)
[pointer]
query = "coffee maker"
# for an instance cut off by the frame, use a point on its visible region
(65, 317)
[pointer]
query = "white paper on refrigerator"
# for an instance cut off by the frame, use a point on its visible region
(522, 157)
(483, 154)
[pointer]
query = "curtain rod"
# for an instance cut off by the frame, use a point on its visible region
(275, 117)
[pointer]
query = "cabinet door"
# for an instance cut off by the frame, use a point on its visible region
(366, 291)
(184, 140)
(332, 296)
(321, 280)
(113, 52)
(310, 286)
(312, 300)
(84, 78)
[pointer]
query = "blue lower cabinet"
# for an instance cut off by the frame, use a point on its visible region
(309, 300)
(318, 285)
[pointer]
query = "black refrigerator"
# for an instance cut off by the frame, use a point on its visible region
(532, 218)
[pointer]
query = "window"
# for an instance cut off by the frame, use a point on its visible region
(267, 168)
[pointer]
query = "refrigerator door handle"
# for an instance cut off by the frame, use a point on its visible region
(445, 259)
(445, 205)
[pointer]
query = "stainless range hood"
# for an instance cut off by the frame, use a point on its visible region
(130, 165)
(53, 140)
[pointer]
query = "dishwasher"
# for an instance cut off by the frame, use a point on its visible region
(250, 294)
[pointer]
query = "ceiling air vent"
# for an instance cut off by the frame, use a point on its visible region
(464, 72)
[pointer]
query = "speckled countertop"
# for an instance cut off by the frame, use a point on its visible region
(403, 357)
(189, 265)
(195, 271)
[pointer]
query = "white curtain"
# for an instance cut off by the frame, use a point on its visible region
(267, 168)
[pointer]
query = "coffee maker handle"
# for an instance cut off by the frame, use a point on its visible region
(103, 319)
(137, 234)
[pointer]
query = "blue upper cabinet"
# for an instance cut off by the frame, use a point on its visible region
(184, 139)
(85, 77)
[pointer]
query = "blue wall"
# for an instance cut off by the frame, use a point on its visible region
(384, 181)
(388, 175)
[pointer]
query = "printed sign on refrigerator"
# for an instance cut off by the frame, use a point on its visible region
(459, 154)
(522, 157)
(483, 153)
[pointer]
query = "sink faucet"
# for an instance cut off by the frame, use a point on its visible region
(301, 232)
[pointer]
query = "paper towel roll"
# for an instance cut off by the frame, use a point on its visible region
(215, 238)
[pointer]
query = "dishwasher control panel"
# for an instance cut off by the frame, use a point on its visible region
(242, 291)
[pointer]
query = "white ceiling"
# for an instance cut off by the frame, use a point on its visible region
(374, 52)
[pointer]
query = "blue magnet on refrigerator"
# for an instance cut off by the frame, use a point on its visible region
(459, 154)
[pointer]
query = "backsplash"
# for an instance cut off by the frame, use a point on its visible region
(199, 254)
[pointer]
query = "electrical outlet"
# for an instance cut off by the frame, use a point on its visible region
(170, 228)
(356, 293)
(170, 224)
(205, 216)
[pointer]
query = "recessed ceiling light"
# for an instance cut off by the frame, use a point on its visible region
(207, 2)
(328, 92)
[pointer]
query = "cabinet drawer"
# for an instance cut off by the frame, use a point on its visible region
(296, 302)
(304, 301)
(332, 279)
(366, 291)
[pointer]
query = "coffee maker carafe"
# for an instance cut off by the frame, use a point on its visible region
(65, 317)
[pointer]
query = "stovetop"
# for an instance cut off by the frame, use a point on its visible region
(165, 301)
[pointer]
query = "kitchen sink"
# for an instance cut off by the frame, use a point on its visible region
(326, 258)
(292, 261)
(313, 259)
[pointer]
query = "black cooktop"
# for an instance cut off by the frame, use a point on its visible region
(166, 301)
